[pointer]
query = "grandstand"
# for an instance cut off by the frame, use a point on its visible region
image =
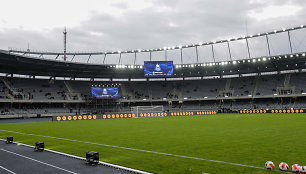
(33, 84)
(40, 84)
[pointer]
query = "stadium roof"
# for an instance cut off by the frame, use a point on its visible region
(19, 64)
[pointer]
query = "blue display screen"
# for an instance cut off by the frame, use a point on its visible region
(108, 92)
(158, 68)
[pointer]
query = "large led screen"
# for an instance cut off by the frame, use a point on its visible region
(108, 92)
(158, 68)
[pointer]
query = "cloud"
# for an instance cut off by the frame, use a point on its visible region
(272, 12)
(125, 25)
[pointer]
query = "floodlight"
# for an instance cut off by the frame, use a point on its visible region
(39, 146)
(186, 46)
(303, 54)
(264, 59)
(92, 157)
(254, 60)
(180, 46)
(234, 62)
(9, 140)
(291, 55)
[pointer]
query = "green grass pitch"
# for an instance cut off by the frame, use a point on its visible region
(250, 139)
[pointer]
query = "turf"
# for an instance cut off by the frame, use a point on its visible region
(250, 139)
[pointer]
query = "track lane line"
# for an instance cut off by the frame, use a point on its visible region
(7, 170)
(38, 161)
(141, 150)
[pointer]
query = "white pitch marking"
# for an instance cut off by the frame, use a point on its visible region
(141, 150)
(7, 170)
(38, 161)
(81, 158)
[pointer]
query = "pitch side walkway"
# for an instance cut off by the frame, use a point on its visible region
(23, 160)
(23, 120)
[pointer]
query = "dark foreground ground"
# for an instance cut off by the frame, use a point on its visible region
(23, 160)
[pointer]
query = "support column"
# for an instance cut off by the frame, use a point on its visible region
(290, 42)
(104, 58)
(181, 55)
(268, 45)
(213, 52)
(196, 48)
(229, 50)
(135, 58)
(247, 42)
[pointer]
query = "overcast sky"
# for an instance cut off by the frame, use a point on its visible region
(102, 25)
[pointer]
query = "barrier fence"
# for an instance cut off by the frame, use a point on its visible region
(272, 111)
(130, 115)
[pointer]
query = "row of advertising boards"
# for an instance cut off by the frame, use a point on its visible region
(130, 115)
(272, 111)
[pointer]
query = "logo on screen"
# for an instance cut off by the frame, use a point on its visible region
(157, 68)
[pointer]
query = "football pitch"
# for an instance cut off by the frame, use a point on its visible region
(222, 143)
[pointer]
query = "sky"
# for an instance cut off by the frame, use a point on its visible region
(112, 25)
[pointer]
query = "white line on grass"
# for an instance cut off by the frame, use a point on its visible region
(141, 150)
(38, 161)
(7, 170)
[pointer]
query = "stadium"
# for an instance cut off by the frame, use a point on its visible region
(176, 109)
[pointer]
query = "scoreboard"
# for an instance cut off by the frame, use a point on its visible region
(106, 93)
(158, 68)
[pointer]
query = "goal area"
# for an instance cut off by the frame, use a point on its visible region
(148, 111)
